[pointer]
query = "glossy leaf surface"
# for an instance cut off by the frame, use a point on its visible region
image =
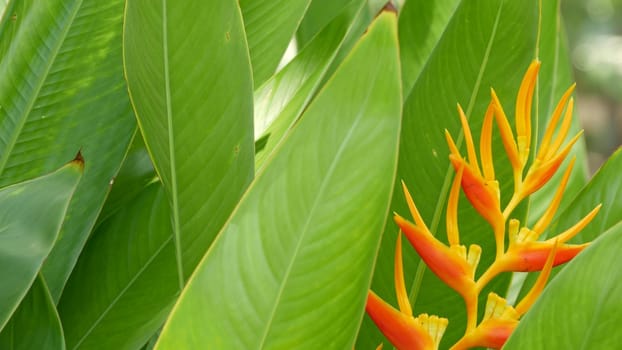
(62, 91)
(294, 262)
(190, 82)
(31, 214)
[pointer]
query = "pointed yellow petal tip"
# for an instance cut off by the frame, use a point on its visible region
(548, 215)
(453, 149)
(400, 286)
(414, 212)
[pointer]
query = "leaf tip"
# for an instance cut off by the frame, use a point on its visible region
(389, 7)
(78, 160)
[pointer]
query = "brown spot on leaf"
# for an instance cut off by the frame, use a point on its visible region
(79, 160)
(389, 7)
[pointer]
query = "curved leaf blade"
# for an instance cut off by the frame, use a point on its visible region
(421, 26)
(295, 272)
(189, 78)
(31, 214)
(282, 99)
(269, 27)
(319, 14)
(581, 307)
(35, 323)
(129, 268)
(62, 91)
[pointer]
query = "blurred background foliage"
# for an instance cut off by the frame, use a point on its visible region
(594, 30)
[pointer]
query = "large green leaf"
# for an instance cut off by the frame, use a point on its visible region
(190, 82)
(292, 266)
(61, 91)
(469, 58)
(128, 269)
(580, 309)
(31, 214)
(35, 324)
(270, 25)
(605, 188)
(281, 100)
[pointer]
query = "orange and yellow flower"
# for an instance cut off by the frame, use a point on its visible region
(451, 262)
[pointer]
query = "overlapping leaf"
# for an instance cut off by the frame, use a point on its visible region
(293, 264)
(61, 91)
(580, 309)
(190, 81)
(35, 324)
(31, 214)
(281, 100)
(129, 268)
(270, 25)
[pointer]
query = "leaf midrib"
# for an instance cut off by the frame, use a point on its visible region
(171, 148)
(122, 292)
(314, 206)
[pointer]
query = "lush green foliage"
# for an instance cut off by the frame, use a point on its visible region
(225, 203)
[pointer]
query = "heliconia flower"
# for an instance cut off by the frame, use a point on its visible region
(500, 319)
(422, 332)
(549, 156)
(525, 253)
(405, 331)
(452, 265)
(482, 190)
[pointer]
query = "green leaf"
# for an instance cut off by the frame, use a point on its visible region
(319, 14)
(580, 308)
(470, 56)
(190, 82)
(61, 91)
(282, 99)
(125, 282)
(293, 264)
(31, 214)
(270, 25)
(35, 323)
(604, 188)
(136, 174)
(421, 25)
